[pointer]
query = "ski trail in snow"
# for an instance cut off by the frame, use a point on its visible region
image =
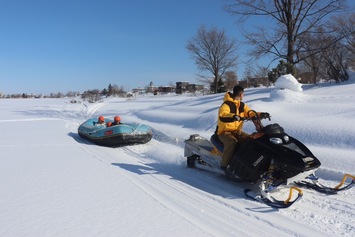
(179, 199)
(313, 206)
(93, 108)
(225, 210)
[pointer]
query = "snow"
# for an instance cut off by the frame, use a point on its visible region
(53, 183)
(287, 89)
(288, 82)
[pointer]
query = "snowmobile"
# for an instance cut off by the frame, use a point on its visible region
(270, 160)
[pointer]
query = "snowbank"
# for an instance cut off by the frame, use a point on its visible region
(288, 82)
(286, 95)
(287, 89)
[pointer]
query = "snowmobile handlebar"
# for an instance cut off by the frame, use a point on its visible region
(254, 116)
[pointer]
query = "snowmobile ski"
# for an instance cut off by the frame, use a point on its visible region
(272, 202)
(315, 185)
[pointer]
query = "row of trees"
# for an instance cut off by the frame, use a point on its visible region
(96, 94)
(69, 94)
(90, 95)
(306, 36)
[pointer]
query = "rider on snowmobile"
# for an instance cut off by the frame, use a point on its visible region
(230, 123)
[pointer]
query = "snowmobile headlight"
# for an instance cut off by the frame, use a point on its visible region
(286, 138)
(276, 140)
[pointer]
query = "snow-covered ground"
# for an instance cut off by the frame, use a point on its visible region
(53, 183)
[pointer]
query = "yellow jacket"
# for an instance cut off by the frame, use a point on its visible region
(226, 119)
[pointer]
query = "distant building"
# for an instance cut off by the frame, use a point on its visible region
(138, 90)
(181, 87)
(151, 89)
(166, 89)
(184, 86)
(194, 87)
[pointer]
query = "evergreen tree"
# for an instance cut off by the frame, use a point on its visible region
(220, 86)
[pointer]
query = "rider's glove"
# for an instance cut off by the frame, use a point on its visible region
(264, 115)
(237, 118)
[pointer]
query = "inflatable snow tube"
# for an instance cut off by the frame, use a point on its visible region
(116, 135)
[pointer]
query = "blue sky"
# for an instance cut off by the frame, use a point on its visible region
(75, 45)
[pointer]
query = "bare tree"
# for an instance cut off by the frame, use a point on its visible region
(313, 61)
(335, 62)
(293, 18)
(344, 25)
(213, 52)
(261, 71)
(230, 79)
(337, 51)
(115, 90)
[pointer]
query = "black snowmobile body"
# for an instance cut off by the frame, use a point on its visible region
(254, 156)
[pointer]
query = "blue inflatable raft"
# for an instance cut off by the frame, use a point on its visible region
(114, 136)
